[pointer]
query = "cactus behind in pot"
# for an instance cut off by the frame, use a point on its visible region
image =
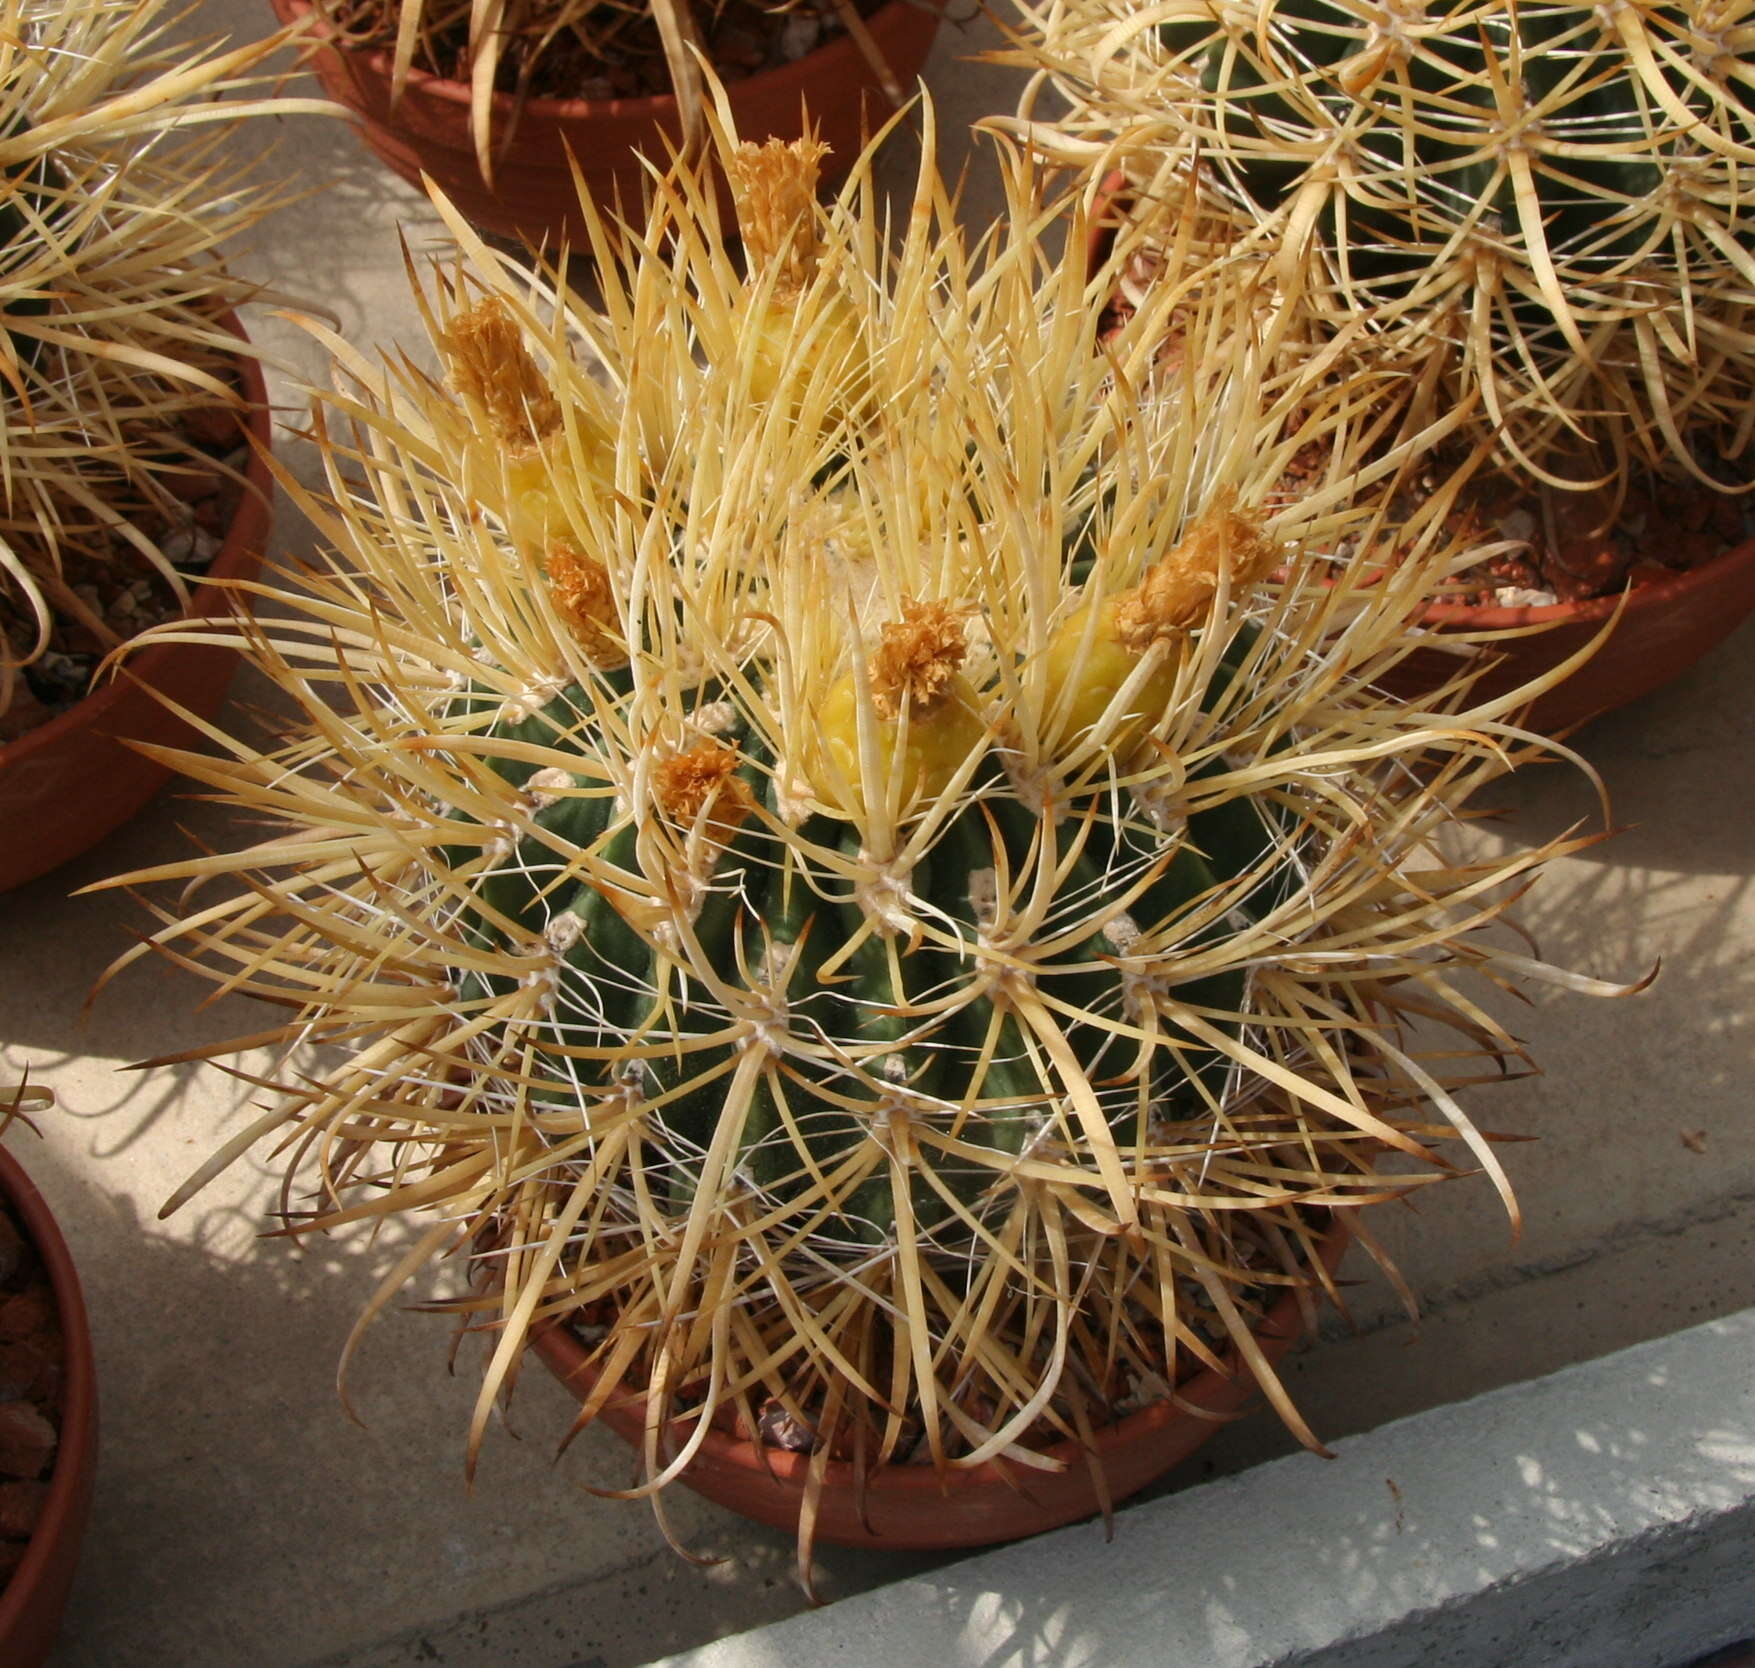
(1555, 191)
(860, 867)
(114, 204)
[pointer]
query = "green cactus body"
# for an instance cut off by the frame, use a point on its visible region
(1557, 191)
(1430, 110)
(860, 1003)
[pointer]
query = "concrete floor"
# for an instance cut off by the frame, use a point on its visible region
(242, 1519)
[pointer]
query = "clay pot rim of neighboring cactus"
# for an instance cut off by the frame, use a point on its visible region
(1637, 596)
(509, 107)
(70, 782)
(238, 553)
(514, 168)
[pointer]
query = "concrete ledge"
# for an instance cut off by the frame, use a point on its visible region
(1602, 1517)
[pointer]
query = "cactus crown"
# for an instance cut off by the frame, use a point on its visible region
(1553, 193)
(902, 912)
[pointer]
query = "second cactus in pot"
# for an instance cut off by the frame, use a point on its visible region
(1538, 211)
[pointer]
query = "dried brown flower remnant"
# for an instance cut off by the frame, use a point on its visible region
(775, 187)
(704, 779)
(496, 376)
(1180, 586)
(917, 657)
(579, 588)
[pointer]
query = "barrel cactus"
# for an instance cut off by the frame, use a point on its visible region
(886, 897)
(1553, 194)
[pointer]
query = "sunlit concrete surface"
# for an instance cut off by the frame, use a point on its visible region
(242, 1518)
(1602, 1517)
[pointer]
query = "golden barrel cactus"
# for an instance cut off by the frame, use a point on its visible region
(846, 852)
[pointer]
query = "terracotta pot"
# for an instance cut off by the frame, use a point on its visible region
(533, 196)
(1665, 626)
(908, 1506)
(68, 783)
(33, 1599)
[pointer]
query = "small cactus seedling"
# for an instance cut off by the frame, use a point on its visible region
(883, 887)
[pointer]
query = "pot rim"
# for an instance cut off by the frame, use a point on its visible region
(1635, 599)
(1283, 1321)
(63, 1510)
(649, 106)
(237, 552)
